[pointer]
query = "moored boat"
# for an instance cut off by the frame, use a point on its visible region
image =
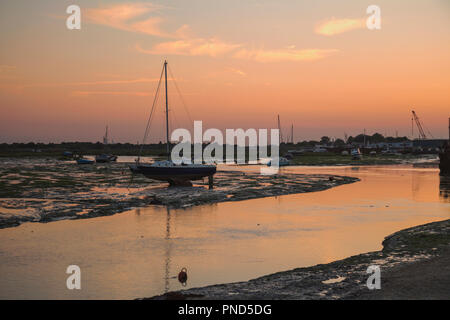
(173, 173)
(356, 154)
(85, 161)
(167, 170)
(444, 156)
(281, 162)
(104, 158)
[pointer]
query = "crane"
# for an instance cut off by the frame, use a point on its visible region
(419, 126)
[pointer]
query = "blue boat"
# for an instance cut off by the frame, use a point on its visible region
(167, 170)
(85, 161)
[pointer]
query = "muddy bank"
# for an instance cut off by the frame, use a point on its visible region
(414, 263)
(47, 190)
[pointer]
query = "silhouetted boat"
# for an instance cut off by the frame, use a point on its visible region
(167, 170)
(104, 158)
(444, 156)
(84, 161)
(173, 173)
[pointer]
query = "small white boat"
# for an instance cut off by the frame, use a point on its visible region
(356, 154)
(281, 162)
(105, 158)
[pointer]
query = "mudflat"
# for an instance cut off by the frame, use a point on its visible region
(44, 190)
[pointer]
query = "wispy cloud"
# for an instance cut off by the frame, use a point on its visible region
(191, 47)
(144, 18)
(286, 54)
(111, 93)
(92, 83)
(237, 71)
(132, 17)
(215, 47)
(334, 26)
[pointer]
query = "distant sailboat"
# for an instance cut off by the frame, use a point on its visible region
(105, 157)
(356, 154)
(282, 161)
(166, 170)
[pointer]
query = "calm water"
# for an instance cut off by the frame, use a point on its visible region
(138, 253)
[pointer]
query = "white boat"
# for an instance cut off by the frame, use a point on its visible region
(281, 162)
(356, 154)
(105, 157)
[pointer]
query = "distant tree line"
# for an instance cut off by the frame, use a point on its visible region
(160, 148)
(375, 138)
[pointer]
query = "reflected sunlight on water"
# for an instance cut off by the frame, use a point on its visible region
(140, 252)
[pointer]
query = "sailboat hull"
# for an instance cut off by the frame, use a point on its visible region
(105, 158)
(174, 173)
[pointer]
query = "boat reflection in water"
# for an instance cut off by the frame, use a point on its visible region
(168, 245)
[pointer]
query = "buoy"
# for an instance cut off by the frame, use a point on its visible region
(182, 276)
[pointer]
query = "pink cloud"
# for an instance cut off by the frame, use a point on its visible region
(192, 47)
(286, 54)
(336, 26)
(131, 17)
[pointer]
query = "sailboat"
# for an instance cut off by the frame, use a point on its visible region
(356, 154)
(282, 161)
(167, 170)
(105, 157)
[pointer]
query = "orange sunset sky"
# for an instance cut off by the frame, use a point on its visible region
(237, 63)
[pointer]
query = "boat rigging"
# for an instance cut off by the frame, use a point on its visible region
(167, 170)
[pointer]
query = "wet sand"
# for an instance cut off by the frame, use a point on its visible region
(414, 264)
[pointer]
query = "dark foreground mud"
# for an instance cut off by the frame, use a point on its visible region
(42, 190)
(414, 264)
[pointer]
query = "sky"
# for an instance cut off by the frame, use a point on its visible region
(237, 64)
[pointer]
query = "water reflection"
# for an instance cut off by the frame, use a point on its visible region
(168, 253)
(444, 189)
(139, 253)
(182, 277)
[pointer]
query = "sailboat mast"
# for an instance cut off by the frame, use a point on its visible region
(167, 111)
(292, 134)
(280, 137)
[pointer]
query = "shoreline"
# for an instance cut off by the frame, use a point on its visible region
(414, 264)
